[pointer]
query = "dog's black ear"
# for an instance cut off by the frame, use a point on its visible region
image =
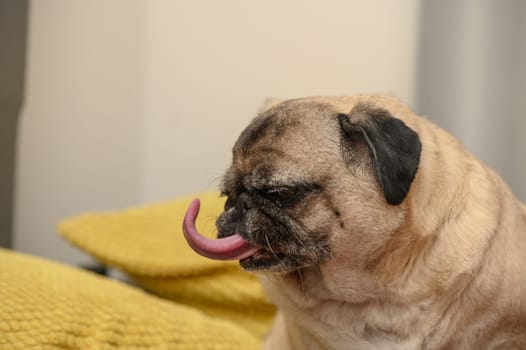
(393, 146)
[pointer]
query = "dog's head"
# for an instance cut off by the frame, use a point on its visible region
(308, 183)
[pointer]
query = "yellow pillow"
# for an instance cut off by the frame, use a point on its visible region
(45, 305)
(148, 244)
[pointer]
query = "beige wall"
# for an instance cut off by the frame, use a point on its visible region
(133, 101)
(81, 130)
(211, 64)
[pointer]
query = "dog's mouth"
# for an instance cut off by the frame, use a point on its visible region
(234, 247)
(264, 259)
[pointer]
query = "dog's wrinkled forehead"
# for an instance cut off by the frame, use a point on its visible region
(280, 145)
(282, 121)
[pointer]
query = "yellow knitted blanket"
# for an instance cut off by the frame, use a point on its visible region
(200, 304)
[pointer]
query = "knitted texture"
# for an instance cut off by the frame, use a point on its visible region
(45, 305)
(148, 244)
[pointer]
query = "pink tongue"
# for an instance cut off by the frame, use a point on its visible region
(229, 248)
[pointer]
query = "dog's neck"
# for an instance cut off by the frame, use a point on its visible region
(318, 308)
(314, 302)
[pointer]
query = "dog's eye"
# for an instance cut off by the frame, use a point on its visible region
(282, 196)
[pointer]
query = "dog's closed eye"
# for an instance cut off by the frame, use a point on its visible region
(285, 196)
(281, 196)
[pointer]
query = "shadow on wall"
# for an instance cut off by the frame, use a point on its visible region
(13, 20)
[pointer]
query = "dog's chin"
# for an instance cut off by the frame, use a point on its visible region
(266, 260)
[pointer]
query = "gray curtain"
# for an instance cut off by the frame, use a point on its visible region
(472, 79)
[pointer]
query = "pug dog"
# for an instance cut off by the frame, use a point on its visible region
(372, 228)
